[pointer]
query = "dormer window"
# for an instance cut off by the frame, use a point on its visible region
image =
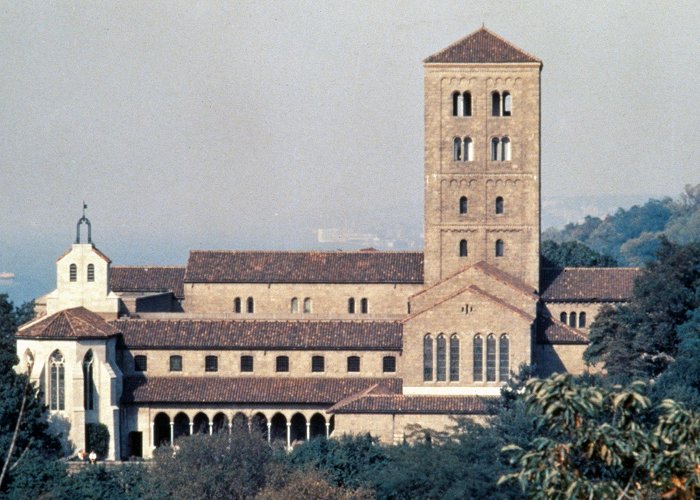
(91, 272)
(73, 273)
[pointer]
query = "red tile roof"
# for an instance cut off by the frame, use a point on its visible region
(76, 323)
(482, 46)
(256, 334)
(588, 284)
(551, 331)
(248, 390)
(148, 279)
(397, 403)
(304, 267)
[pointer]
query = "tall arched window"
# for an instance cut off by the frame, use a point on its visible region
(478, 359)
(499, 205)
(250, 305)
(495, 147)
(507, 104)
(307, 305)
(468, 149)
(237, 305)
(73, 272)
(57, 382)
(572, 319)
(351, 305)
(467, 103)
(364, 305)
(505, 149)
(491, 358)
(294, 306)
(463, 248)
(441, 365)
(91, 272)
(456, 98)
(499, 248)
(457, 149)
(88, 382)
(503, 358)
(454, 358)
(427, 357)
(582, 320)
(495, 104)
(562, 317)
(463, 205)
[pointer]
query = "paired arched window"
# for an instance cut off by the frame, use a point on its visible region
(250, 305)
(307, 305)
(500, 352)
(499, 205)
(500, 248)
(454, 358)
(501, 104)
(427, 357)
(463, 149)
(237, 305)
(500, 149)
(441, 365)
(294, 306)
(57, 382)
(88, 382)
(353, 364)
(73, 272)
(463, 250)
(461, 104)
(463, 205)
(91, 272)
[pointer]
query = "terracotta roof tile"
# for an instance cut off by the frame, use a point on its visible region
(148, 279)
(588, 284)
(248, 390)
(255, 334)
(397, 403)
(304, 267)
(482, 46)
(76, 323)
(551, 331)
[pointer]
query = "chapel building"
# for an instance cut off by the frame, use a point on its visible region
(301, 345)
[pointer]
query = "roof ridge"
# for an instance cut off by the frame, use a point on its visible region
(149, 267)
(476, 31)
(333, 252)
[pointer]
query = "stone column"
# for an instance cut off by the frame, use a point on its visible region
(269, 432)
(308, 430)
(328, 430)
(289, 435)
(230, 426)
(172, 433)
(211, 428)
(191, 428)
(153, 435)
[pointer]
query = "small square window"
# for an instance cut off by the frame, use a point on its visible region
(282, 364)
(317, 364)
(389, 364)
(211, 364)
(175, 363)
(247, 363)
(140, 363)
(353, 364)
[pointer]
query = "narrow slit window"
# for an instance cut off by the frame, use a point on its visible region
(88, 382)
(505, 149)
(463, 205)
(496, 104)
(499, 248)
(582, 320)
(572, 319)
(463, 251)
(467, 103)
(499, 205)
(495, 143)
(507, 104)
(237, 305)
(351, 305)
(250, 305)
(294, 306)
(457, 149)
(468, 149)
(364, 306)
(455, 103)
(307, 305)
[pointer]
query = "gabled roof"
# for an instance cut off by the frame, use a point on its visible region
(398, 403)
(148, 279)
(304, 267)
(482, 46)
(94, 248)
(551, 331)
(588, 284)
(257, 334)
(69, 324)
(249, 390)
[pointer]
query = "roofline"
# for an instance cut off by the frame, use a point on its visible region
(173, 347)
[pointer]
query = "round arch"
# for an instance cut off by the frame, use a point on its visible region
(161, 430)
(182, 425)
(318, 426)
(200, 424)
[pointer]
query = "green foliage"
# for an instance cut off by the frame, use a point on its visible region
(36, 475)
(310, 483)
(97, 439)
(596, 442)
(218, 466)
(573, 254)
(124, 482)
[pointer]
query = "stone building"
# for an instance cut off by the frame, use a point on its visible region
(307, 344)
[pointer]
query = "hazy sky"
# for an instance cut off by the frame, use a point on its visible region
(246, 124)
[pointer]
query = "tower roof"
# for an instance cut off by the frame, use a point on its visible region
(75, 323)
(482, 46)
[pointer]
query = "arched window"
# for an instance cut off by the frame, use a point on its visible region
(467, 103)
(495, 143)
(441, 365)
(505, 149)
(507, 104)
(499, 205)
(282, 364)
(211, 364)
(499, 248)
(91, 272)
(454, 358)
(176, 363)
(351, 305)
(364, 305)
(496, 104)
(250, 305)
(73, 272)
(491, 358)
(562, 317)
(294, 306)
(582, 320)
(318, 363)
(468, 149)
(57, 382)
(88, 382)
(456, 98)
(353, 364)
(572, 319)
(237, 305)
(427, 357)
(389, 364)
(478, 359)
(463, 248)
(457, 149)
(307, 305)
(503, 358)
(463, 205)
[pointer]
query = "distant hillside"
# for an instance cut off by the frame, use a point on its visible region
(631, 236)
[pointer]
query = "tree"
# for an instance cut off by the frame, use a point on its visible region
(97, 439)
(597, 442)
(573, 254)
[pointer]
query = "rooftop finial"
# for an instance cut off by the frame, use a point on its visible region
(87, 223)
(84, 207)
